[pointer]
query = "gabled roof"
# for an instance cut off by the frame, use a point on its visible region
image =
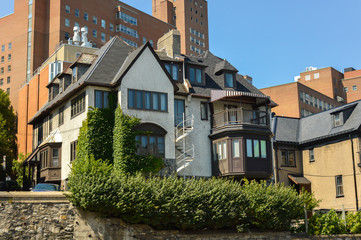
(224, 65)
(317, 126)
(113, 61)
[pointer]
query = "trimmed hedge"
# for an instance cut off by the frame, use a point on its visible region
(175, 203)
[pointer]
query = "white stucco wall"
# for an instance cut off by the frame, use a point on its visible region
(147, 74)
(202, 163)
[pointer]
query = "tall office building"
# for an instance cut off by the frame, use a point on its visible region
(35, 29)
(191, 19)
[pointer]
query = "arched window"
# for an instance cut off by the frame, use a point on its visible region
(150, 140)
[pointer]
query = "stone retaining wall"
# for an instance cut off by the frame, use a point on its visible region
(28, 215)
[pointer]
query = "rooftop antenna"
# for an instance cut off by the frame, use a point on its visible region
(84, 37)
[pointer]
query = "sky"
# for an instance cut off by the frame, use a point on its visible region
(274, 40)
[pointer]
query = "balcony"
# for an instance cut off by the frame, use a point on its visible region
(238, 117)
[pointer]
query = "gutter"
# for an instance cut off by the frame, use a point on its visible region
(354, 172)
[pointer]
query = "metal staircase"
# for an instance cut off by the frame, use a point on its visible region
(186, 151)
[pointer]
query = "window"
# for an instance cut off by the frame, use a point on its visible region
(78, 105)
(128, 30)
(221, 150)
(354, 87)
(3, 48)
(312, 155)
(256, 148)
(111, 27)
(101, 99)
(102, 35)
(94, 33)
(73, 146)
(288, 158)
(1, 81)
(9, 57)
(204, 111)
(9, 68)
(2, 70)
(236, 153)
(131, 43)
(67, 8)
(338, 119)
(76, 11)
(150, 145)
(173, 70)
(86, 17)
(10, 46)
(103, 23)
(151, 42)
(95, 20)
(308, 77)
(345, 89)
(316, 75)
(153, 101)
(67, 22)
(195, 75)
(229, 80)
(2, 59)
(44, 159)
(339, 186)
(74, 73)
(66, 35)
(50, 123)
(61, 116)
(55, 157)
(54, 69)
(144, 40)
(127, 18)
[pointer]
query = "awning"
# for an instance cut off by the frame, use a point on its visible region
(299, 180)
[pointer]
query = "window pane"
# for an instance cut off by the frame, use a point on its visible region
(131, 101)
(175, 72)
(155, 97)
(284, 157)
(263, 149)
(163, 102)
(191, 75)
(291, 158)
(106, 102)
(144, 141)
(219, 150)
(235, 148)
(139, 99)
(98, 99)
(256, 148)
(204, 111)
(249, 148)
(224, 143)
(147, 100)
(161, 146)
(199, 75)
(229, 80)
(168, 67)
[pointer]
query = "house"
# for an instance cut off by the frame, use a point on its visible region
(206, 120)
(321, 153)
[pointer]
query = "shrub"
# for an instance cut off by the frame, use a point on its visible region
(326, 224)
(353, 221)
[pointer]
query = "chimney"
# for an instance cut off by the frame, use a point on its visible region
(170, 43)
(248, 78)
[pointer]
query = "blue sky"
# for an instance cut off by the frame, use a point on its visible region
(273, 41)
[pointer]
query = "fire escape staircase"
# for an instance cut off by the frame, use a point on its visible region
(184, 148)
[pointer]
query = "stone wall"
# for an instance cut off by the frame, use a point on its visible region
(49, 215)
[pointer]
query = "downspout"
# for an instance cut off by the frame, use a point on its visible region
(354, 172)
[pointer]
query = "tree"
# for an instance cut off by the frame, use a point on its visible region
(7, 131)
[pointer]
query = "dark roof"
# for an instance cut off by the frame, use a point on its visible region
(317, 126)
(224, 65)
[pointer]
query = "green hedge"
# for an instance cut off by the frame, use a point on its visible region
(175, 203)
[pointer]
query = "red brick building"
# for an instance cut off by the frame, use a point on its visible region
(352, 84)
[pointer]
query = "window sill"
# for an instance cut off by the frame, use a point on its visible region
(288, 166)
(340, 196)
(77, 114)
(311, 161)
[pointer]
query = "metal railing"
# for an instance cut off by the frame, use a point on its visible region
(240, 116)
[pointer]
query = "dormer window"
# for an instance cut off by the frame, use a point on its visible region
(55, 68)
(195, 75)
(229, 80)
(338, 119)
(173, 70)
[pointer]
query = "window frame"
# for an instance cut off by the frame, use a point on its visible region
(256, 154)
(142, 104)
(73, 149)
(286, 163)
(226, 73)
(171, 65)
(195, 68)
(78, 105)
(102, 98)
(311, 153)
(339, 187)
(205, 106)
(61, 116)
(139, 138)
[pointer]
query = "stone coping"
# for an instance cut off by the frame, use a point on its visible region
(34, 197)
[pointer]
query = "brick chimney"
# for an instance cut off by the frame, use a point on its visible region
(170, 43)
